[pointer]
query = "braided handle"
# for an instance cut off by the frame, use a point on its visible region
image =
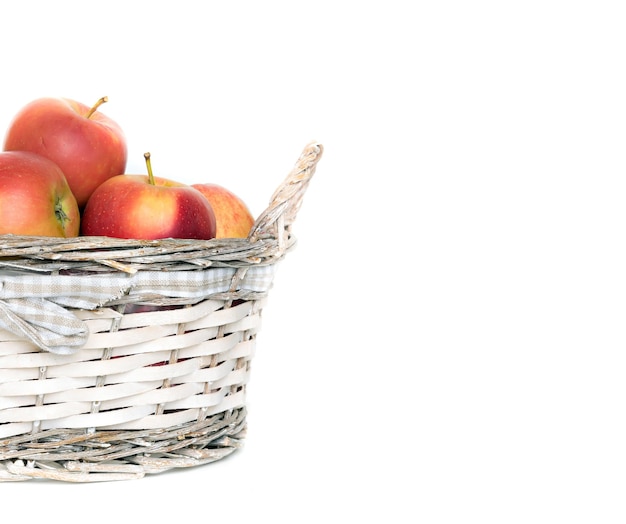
(277, 219)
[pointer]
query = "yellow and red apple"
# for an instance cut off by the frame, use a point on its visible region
(232, 215)
(35, 198)
(147, 207)
(88, 146)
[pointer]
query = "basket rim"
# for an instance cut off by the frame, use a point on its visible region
(268, 240)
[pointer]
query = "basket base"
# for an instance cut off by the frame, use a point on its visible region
(107, 455)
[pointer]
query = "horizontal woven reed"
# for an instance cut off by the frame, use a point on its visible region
(160, 382)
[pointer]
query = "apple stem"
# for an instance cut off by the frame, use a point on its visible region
(97, 105)
(149, 166)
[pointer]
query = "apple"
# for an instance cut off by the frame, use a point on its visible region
(88, 146)
(232, 215)
(147, 207)
(35, 198)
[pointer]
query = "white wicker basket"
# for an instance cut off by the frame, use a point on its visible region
(120, 358)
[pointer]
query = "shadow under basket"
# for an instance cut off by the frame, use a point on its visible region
(121, 358)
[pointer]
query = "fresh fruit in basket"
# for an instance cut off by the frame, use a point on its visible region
(232, 215)
(88, 146)
(35, 197)
(147, 207)
(90, 149)
(91, 394)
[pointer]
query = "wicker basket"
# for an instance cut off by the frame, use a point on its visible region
(121, 358)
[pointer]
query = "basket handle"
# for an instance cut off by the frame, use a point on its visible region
(277, 219)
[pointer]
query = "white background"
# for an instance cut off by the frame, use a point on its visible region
(446, 344)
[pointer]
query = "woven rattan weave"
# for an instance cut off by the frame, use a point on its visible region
(158, 379)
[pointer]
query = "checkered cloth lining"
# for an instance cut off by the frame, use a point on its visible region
(38, 307)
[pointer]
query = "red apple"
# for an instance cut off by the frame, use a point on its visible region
(147, 207)
(35, 198)
(232, 215)
(88, 146)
